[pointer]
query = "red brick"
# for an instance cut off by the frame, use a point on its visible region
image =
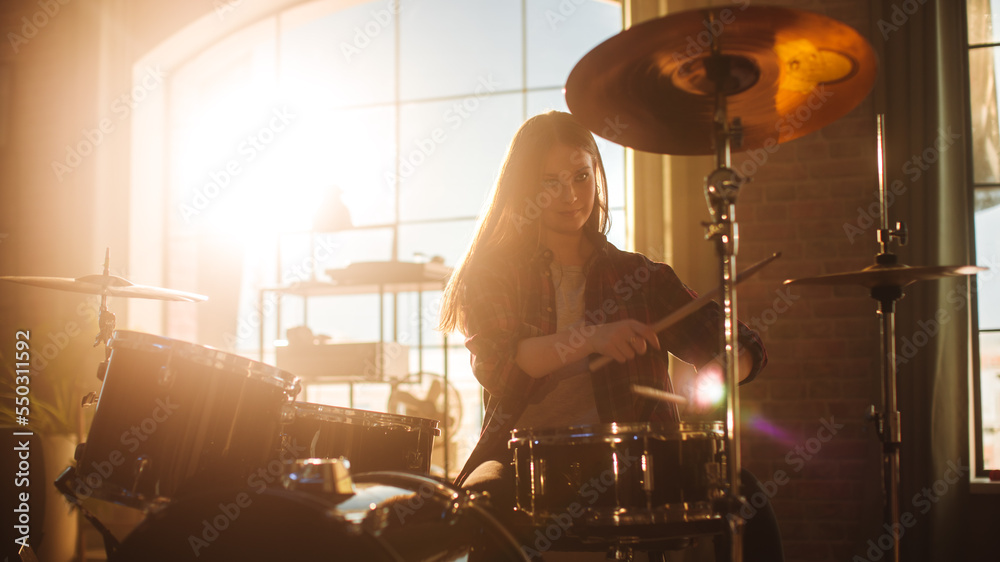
(822, 489)
(858, 470)
(811, 148)
(802, 210)
(775, 192)
(755, 391)
(846, 449)
(841, 308)
(768, 231)
(850, 149)
(789, 391)
(804, 550)
(771, 211)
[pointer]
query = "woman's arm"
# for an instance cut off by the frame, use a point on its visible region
(622, 340)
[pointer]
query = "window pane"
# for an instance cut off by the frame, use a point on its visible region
(446, 239)
(353, 151)
(425, 316)
(985, 130)
(560, 33)
(335, 251)
(351, 318)
(989, 380)
(987, 220)
(451, 152)
(444, 43)
(983, 25)
(341, 58)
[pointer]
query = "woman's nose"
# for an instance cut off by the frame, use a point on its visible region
(566, 191)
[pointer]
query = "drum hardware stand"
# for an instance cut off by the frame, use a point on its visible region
(62, 483)
(888, 422)
(885, 281)
(106, 326)
(721, 190)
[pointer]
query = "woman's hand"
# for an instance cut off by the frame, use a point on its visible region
(621, 340)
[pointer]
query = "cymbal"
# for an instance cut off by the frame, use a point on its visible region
(110, 285)
(896, 275)
(788, 73)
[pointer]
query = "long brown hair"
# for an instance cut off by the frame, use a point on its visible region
(510, 226)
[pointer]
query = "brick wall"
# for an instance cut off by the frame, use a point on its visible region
(823, 342)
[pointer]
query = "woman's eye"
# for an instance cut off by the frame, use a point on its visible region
(583, 177)
(550, 183)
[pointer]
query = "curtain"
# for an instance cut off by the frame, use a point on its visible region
(924, 88)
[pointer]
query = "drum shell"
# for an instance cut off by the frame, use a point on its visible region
(174, 417)
(370, 441)
(620, 475)
(388, 518)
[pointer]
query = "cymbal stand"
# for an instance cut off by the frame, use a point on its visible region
(887, 422)
(721, 190)
(106, 324)
(106, 321)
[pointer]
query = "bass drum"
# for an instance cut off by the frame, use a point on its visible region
(175, 417)
(391, 516)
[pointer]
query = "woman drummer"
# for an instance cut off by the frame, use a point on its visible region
(541, 290)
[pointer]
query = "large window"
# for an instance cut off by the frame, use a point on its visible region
(984, 71)
(325, 135)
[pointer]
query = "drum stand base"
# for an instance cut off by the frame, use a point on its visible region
(63, 484)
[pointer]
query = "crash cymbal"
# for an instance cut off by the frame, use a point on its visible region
(896, 275)
(109, 285)
(788, 73)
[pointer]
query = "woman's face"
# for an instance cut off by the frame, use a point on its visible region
(568, 189)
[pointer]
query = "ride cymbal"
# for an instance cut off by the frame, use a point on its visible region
(109, 285)
(896, 275)
(785, 72)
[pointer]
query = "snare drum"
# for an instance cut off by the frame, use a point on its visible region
(619, 475)
(388, 516)
(370, 441)
(174, 417)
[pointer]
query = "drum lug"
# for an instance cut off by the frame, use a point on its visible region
(89, 399)
(102, 370)
(296, 389)
(287, 413)
(414, 460)
(540, 477)
(166, 376)
(648, 485)
(141, 464)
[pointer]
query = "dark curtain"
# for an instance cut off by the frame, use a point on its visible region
(924, 95)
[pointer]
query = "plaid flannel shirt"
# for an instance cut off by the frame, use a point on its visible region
(507, 302)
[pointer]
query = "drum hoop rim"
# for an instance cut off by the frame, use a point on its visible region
(141, 341)
(610, 430)
(368, 418)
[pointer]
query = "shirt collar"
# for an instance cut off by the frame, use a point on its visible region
(543, 256)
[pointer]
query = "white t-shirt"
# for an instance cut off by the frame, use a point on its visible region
(567, 397)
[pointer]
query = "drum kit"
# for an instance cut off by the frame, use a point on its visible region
(213, 447)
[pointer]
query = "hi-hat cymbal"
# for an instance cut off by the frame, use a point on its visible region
(896, 275)
(110, 285)
(788, 73)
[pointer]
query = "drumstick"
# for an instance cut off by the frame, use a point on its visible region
(682, 312)
(658, 394)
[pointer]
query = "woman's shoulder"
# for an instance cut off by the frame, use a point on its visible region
(494, 268)
(623, 258)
